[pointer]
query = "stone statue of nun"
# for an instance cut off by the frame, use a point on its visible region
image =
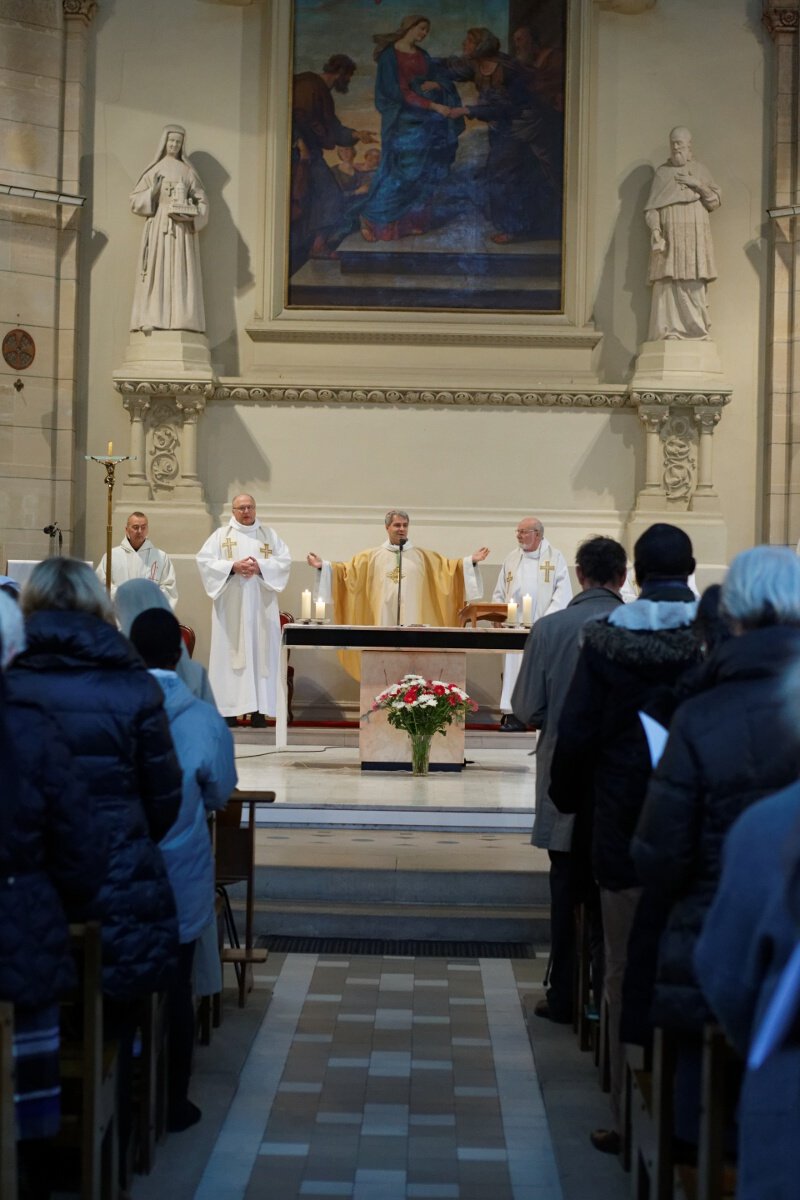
(169, 289)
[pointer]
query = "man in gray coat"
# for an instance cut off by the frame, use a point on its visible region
(548, 663)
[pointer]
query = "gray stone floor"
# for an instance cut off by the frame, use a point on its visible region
(375, 1078)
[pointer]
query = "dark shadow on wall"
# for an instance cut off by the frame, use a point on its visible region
(222, 245)
(623, 289)
(245, 467)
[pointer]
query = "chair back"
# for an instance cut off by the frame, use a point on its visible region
(189, 639)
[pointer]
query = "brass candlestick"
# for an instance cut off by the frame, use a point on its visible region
(109, 461)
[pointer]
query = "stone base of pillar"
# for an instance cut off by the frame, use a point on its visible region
(651, 501)
(706, 501)
(166, 354)
(709, 536)
(678, 363)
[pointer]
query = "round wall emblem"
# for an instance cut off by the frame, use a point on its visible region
(19, 349)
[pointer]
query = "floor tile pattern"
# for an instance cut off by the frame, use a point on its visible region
(386, 1078)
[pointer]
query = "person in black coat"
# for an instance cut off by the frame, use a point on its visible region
(728, 747)
(51, 855)
(111, 713)
(601, 764)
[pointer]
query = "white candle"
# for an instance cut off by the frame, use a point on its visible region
(512, 612)
(527, 610)
(305, 605)
(320, 610)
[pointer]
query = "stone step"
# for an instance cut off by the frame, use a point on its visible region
(443, 922)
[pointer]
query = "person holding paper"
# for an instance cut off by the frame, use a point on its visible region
(244, 567)
(364, 590)
(745, 950)
(535, 577)
(729, 746)
(601, 764)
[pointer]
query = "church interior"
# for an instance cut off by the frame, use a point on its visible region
(467, 374)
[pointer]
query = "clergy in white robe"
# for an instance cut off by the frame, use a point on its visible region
(244, 567)
(364, 591)
(537, 570)
(137, 558)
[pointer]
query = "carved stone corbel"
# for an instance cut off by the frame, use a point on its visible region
(678, 460)
(79, 10)
(164, 418)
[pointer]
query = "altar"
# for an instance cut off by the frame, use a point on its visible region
(388, 653)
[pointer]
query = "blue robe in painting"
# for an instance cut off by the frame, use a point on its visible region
(417, 146)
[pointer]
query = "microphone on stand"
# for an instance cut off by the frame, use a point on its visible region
(400, 546)
(54, 531)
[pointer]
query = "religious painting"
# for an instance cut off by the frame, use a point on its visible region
(427, 155)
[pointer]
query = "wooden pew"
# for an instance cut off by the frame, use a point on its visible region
(650, 1120)
(89, 1075)
(150, 1083)
(8, 1124)
(235, 846)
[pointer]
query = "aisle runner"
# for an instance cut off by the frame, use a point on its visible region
(388, 1078)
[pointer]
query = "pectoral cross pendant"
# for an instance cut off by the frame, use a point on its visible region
(265, 550)
(228, 546)
(548, 569)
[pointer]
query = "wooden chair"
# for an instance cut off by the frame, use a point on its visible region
(8, 1124)
(586, 1019)
(89, 1074)
(189, 639)
(235, 863)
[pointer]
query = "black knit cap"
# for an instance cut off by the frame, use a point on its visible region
(157, 636)
(663, 552)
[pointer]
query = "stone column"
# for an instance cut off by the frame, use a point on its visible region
(652, 495)
(137, 406)
(782, 385)
(705, 497)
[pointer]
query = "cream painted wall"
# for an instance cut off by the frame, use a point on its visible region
(324, 474)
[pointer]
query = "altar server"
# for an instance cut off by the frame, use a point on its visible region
(137, 558)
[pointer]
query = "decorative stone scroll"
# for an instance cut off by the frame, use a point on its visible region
(678, 464)
(83, 10)
(163, 443)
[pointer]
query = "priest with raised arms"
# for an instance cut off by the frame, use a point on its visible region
(534, 568)
(364, 590)
(244, 567)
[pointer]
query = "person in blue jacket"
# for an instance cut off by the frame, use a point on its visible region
(204, 747)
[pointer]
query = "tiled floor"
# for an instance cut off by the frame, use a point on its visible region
(383, 1078)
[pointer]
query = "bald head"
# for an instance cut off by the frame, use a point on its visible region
(244, 509)
(530, 531)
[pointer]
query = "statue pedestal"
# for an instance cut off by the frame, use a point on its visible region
(685, 364)
(166, 354)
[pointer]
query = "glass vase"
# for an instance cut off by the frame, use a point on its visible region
(420, 752)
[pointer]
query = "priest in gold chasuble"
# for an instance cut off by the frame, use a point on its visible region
(364, 590)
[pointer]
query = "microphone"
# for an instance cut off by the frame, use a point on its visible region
(400, 543)
(54, 531)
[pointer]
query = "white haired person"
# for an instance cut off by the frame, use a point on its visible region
(723, 755)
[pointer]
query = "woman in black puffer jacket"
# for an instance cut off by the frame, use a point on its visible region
(728, 747)
(51, 855)
(110, 710)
